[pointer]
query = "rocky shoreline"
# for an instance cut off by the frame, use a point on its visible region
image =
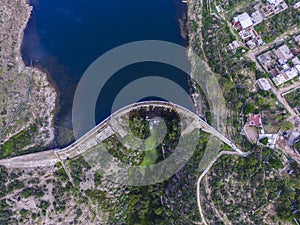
(194, 17)
(30, 98)
(50, 91)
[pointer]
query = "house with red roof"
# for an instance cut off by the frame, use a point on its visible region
(255, 120)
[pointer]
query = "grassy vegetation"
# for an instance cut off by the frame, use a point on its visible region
(5, 213)
(171, 201)
(62, 175)
(5, 209)
(15, 145)
(217, 36)
(151, 154)
(294, 98)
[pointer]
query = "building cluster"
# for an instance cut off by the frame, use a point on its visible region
(273, 7)
(255, 120)
(244, 23)
(281, 63)
(233, 46)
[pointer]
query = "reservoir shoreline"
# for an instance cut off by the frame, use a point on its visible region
(46, 90)
(181, 13)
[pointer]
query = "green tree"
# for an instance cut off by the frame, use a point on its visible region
(286, 125)
(249, 108)
(264, 141)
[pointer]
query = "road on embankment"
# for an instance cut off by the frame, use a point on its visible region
(104, 130)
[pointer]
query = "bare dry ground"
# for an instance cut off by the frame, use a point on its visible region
(47, 196)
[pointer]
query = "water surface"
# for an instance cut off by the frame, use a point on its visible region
(64, 37)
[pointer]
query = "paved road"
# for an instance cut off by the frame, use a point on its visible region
(282, 100)
(286, 90)
(40, 159)
(253, 53)
(104, 130)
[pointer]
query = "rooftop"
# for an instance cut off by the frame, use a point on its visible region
(272, 139)
(297, 39)
(297, 5)
(244, 20)
(284, 53)
(234, 45)
(255, 120)
(296, 61)
(293, 138)
(264, 84)
(274, 2)
(247, 33)
(257, 17)
(285, 76)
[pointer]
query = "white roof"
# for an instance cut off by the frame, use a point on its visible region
(297, 5)
(296, 61)
(284, 53)
(244, 19)
(291, 73)
(285, 76)
(279, 79)
(272, 138)
(257, 17)
(264, 84)
(285, 66)
(274, 2)
(219, 9)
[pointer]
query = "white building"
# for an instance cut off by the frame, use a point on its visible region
(219, 9)
(257, 17)
(264, 84)
(296, 61)
(274, 2)
(285, 76)
(242, 21)
(284, 53)
(272, 139)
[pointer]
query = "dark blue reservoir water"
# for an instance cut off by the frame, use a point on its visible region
(64, 37)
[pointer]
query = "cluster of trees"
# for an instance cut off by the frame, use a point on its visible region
(15, 145)
(216, 37)
(36, 192)
(282, 22)
(291, 2)
(249, 181)
(139, 127)
(77, 167)
(169, 202)
(294, 98)
(244, 200)
(288, 204)
(5, 213)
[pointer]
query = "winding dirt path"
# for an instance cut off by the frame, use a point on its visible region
(203, 175)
